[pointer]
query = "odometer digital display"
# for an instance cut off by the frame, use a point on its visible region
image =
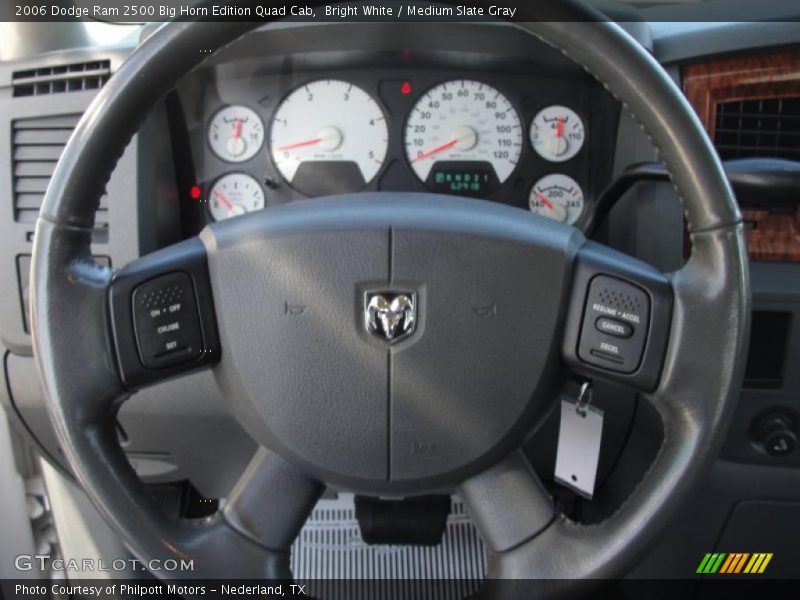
(476, 179)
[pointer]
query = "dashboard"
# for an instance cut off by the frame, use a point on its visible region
(266, 133)
(232, 120)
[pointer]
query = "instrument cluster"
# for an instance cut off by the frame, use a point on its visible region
(510, 138)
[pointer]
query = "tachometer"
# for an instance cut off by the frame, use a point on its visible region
(234, 194)
(235, 133)
(328, 136)
(557, 197)
(463, 137)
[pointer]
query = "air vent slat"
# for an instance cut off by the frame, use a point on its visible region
(29, 201)
(24, 185)
(762, 132)
(33, 137)
(768, 127)
(32, 153)
(27, 216)
(54, 122)
(37, 146)
(60, 79)
(34, 169)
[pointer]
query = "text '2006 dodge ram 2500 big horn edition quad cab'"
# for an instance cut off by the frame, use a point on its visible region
(400, 299)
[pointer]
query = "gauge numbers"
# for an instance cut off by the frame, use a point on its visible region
(557, 133)
(328, 136)
(463, 130)
(235, 133)
(234, 194)
(557, 197)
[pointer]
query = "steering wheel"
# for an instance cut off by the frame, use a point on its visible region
(395, 343)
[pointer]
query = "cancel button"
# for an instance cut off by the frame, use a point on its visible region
(613, 327)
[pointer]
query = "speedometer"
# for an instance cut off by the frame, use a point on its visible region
(463, 137)
(328, 136)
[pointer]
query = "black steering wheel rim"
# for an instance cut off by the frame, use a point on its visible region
(699, 382)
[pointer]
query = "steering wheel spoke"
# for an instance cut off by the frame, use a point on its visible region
(618, 318)
(508, 502)
(270, 481)
(162, 315)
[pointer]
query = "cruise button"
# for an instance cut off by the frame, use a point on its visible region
(613, 327)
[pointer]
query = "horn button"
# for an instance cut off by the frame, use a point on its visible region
(389, 344)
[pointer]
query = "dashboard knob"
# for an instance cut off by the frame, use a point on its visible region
(776, 433)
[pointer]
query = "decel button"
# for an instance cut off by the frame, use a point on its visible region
(166, 321)
(614, 327)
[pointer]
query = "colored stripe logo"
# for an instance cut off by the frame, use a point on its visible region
(734, 563)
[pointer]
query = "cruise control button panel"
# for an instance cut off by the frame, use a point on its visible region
(166, 321)
(162, 313)
(615, 323)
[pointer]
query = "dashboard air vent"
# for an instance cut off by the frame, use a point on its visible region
(768, 127)
(76, 77)
(37, 144)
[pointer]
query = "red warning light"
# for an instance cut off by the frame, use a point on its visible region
(194, 192)
(405, 89)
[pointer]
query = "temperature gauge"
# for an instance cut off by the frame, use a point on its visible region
(557, 197)
(236, 133)
(233, 195)
(557, 133)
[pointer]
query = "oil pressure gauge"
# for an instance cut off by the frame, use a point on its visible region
(236, 133)
(557, 133)
(557, 197)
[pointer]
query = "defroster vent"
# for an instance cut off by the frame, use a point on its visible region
(58, 79)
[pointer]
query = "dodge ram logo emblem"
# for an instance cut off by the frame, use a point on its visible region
(390, 316)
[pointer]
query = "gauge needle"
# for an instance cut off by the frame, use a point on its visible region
(560, 127)
(224, 200)
(436, 150)
(313, 142)
(544, 200)
(237, 131)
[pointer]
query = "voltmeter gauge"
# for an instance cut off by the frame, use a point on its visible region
(557, 197)
(234, 194)
(236, 133)
(557, 133)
